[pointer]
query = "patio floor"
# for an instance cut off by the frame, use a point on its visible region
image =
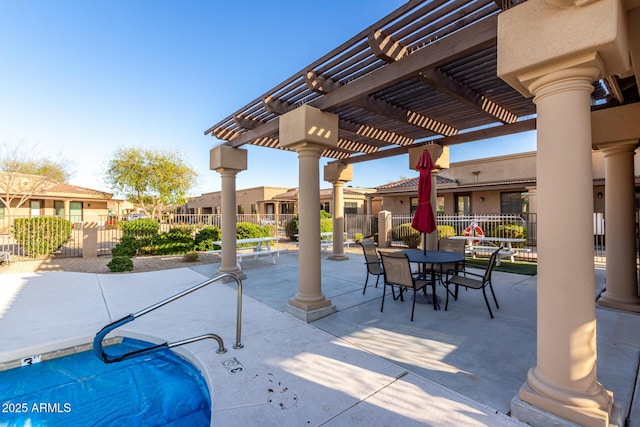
(357, 366)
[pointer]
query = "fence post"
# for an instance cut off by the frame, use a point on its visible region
(384, 229)
(89, 240)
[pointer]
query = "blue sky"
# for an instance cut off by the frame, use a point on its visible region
(80, 79)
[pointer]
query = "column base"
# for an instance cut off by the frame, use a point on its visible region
(536, 409)
(610, 301)
(238, 272)
(338, 257)
(309, 315)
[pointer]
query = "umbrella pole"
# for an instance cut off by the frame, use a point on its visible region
(424, 243)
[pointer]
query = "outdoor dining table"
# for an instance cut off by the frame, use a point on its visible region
(423, 258)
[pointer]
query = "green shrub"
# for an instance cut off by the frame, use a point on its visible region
(120, 263)
(191, 256)
(291, 228)
(445, 231)
(128, 246)
(205, 237)
(143, 227)
(412, 240)
(401, 230)
(169, 248)
(357, 237)
(41, 236)
(512, 231)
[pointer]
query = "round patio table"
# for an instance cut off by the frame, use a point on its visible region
(422, 257)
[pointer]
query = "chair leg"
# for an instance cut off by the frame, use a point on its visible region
(486, 300)
(377, 280)
(384, 291)
(494, 295)
(365, 283)
(413, 306)
(446, 303)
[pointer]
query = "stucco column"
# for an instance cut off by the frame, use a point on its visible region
(549, 50)
(564, 380)
(308, 131)
(337, 174)
(228, 161)
(622, 286)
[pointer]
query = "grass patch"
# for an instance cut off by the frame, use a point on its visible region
(516, 267)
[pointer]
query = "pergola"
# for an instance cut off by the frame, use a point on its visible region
(437, 73)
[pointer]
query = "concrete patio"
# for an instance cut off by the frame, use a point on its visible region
(357, 366)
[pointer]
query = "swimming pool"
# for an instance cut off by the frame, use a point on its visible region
(160, 389)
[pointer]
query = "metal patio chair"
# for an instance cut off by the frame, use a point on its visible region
(455, 246)
(372, 261)
(474, 281)
(397, 272)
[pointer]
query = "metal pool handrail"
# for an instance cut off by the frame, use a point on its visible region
(97, 341)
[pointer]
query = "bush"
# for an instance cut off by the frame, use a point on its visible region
(357, 237)
(512, 231)
(292, 226)
(445, 231)
(247, 230)
(191, 256)
(128, 246)
(401, 230)
(120, 263)
(412, 240)
(41, 236)
(144, 227)
(205, 238)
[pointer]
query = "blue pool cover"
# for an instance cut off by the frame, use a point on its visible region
(160, 389)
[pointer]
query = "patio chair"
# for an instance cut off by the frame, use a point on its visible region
(455, 246)
(397, 272)
(474, 281)
(372, 261)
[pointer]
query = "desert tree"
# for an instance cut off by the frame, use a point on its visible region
(150, 179)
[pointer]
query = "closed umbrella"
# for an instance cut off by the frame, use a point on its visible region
(424, 220)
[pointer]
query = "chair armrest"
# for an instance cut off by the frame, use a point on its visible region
(466, 273)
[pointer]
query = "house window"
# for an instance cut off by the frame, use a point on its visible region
(350, 207)
(36, 206)
(413, 204)
(440, 205)
(75, 211)
(286, 208)
(326, 207)
(514, 202)
(58, 208)
(240, 209)
(463, 204)
(254, 208)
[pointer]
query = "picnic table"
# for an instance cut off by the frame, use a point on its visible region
(326, 240)
(477, 244)
(251, 247)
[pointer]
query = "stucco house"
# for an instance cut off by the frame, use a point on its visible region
(33, 195)
(501, 184)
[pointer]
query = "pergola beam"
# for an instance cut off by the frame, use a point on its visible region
(492, 132)
(390, 50)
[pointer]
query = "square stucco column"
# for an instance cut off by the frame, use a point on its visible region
(337, 174)
(309, 131)
(554, 54)
(440, 157)
(228, 161)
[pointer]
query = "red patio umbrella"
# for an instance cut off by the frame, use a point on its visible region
(424, 221)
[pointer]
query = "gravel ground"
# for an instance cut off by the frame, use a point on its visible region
(99, 264)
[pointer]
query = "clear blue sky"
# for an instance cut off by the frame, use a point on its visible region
(80, 79)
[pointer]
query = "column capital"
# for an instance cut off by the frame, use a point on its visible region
(226, 158)
(539, 37)
(335, 172)
(620, 147)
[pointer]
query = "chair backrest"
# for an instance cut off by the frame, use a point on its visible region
(397, 270)
(492, 262)
(452, 245)
(370, 253)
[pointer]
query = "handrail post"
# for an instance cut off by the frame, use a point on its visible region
(97, 341)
